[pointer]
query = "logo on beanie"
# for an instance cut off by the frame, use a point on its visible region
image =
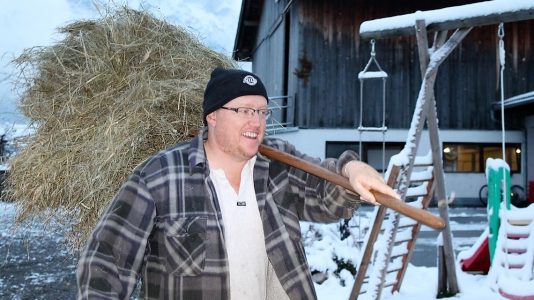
(250, 80)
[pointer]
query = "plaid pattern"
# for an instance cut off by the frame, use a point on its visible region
(165, 226)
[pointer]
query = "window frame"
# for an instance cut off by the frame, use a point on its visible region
(366, 146)
(482, 149)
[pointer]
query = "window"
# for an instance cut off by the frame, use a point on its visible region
(466, 157)
(371, 154)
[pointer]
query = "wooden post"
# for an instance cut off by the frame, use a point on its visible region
(429, 73)
(442, 270)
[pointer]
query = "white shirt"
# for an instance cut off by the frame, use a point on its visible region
(243, 234)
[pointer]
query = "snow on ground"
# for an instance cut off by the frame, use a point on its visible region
(419, 282)
(34, 262)
(472, 287)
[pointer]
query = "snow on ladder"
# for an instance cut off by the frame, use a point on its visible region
(391, 240)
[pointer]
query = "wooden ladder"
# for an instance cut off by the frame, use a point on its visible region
(397, 235)
(391, 240)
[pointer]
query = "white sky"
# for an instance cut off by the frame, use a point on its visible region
(29, 23)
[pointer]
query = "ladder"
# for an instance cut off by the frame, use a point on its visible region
(391, 240)
(425, 112)
(364, 75)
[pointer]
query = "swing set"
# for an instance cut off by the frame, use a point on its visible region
(418, 178)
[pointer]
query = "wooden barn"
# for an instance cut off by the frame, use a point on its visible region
(309, 54)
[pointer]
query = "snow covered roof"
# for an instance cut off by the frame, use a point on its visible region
(470, 15)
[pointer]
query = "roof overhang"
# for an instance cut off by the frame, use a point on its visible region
(247, 29)
(519, 100)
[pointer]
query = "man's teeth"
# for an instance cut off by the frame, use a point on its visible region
(251, 135)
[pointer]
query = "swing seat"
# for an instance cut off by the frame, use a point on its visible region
(372, 75)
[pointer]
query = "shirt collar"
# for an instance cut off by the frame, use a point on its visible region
(197, 155)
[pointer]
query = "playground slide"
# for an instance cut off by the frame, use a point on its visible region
(477, 258)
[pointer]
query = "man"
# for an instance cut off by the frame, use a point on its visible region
(213, 219)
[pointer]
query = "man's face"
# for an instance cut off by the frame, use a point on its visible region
(236, 134)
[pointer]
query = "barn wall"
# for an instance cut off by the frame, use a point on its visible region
(318, 58)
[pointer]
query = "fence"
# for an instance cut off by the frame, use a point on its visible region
(283, 116)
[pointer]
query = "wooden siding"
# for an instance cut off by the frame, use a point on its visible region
(326, 54)
(273, 45)
(270, 47)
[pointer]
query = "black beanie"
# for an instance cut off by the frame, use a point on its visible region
(228, 84)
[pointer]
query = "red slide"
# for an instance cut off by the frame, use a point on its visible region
(479, 260)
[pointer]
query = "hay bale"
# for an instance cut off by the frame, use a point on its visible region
(111, 93)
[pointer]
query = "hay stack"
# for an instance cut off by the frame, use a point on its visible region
(113, 92)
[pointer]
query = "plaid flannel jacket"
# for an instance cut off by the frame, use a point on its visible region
(165, 227)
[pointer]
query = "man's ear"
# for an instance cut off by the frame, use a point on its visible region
(211, 118)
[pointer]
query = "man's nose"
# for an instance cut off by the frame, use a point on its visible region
(256, 118)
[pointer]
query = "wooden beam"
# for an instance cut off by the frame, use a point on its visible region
(422, 42)
(417, 214)
(470, 15)
(429, 67)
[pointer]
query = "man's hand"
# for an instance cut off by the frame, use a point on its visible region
(363, 178)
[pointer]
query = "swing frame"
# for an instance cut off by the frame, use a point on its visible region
(463, 19)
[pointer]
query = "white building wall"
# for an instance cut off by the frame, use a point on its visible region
(465, 185)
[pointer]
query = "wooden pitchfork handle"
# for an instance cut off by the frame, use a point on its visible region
(417, 214)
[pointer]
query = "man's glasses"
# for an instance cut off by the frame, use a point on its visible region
(248, 113)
